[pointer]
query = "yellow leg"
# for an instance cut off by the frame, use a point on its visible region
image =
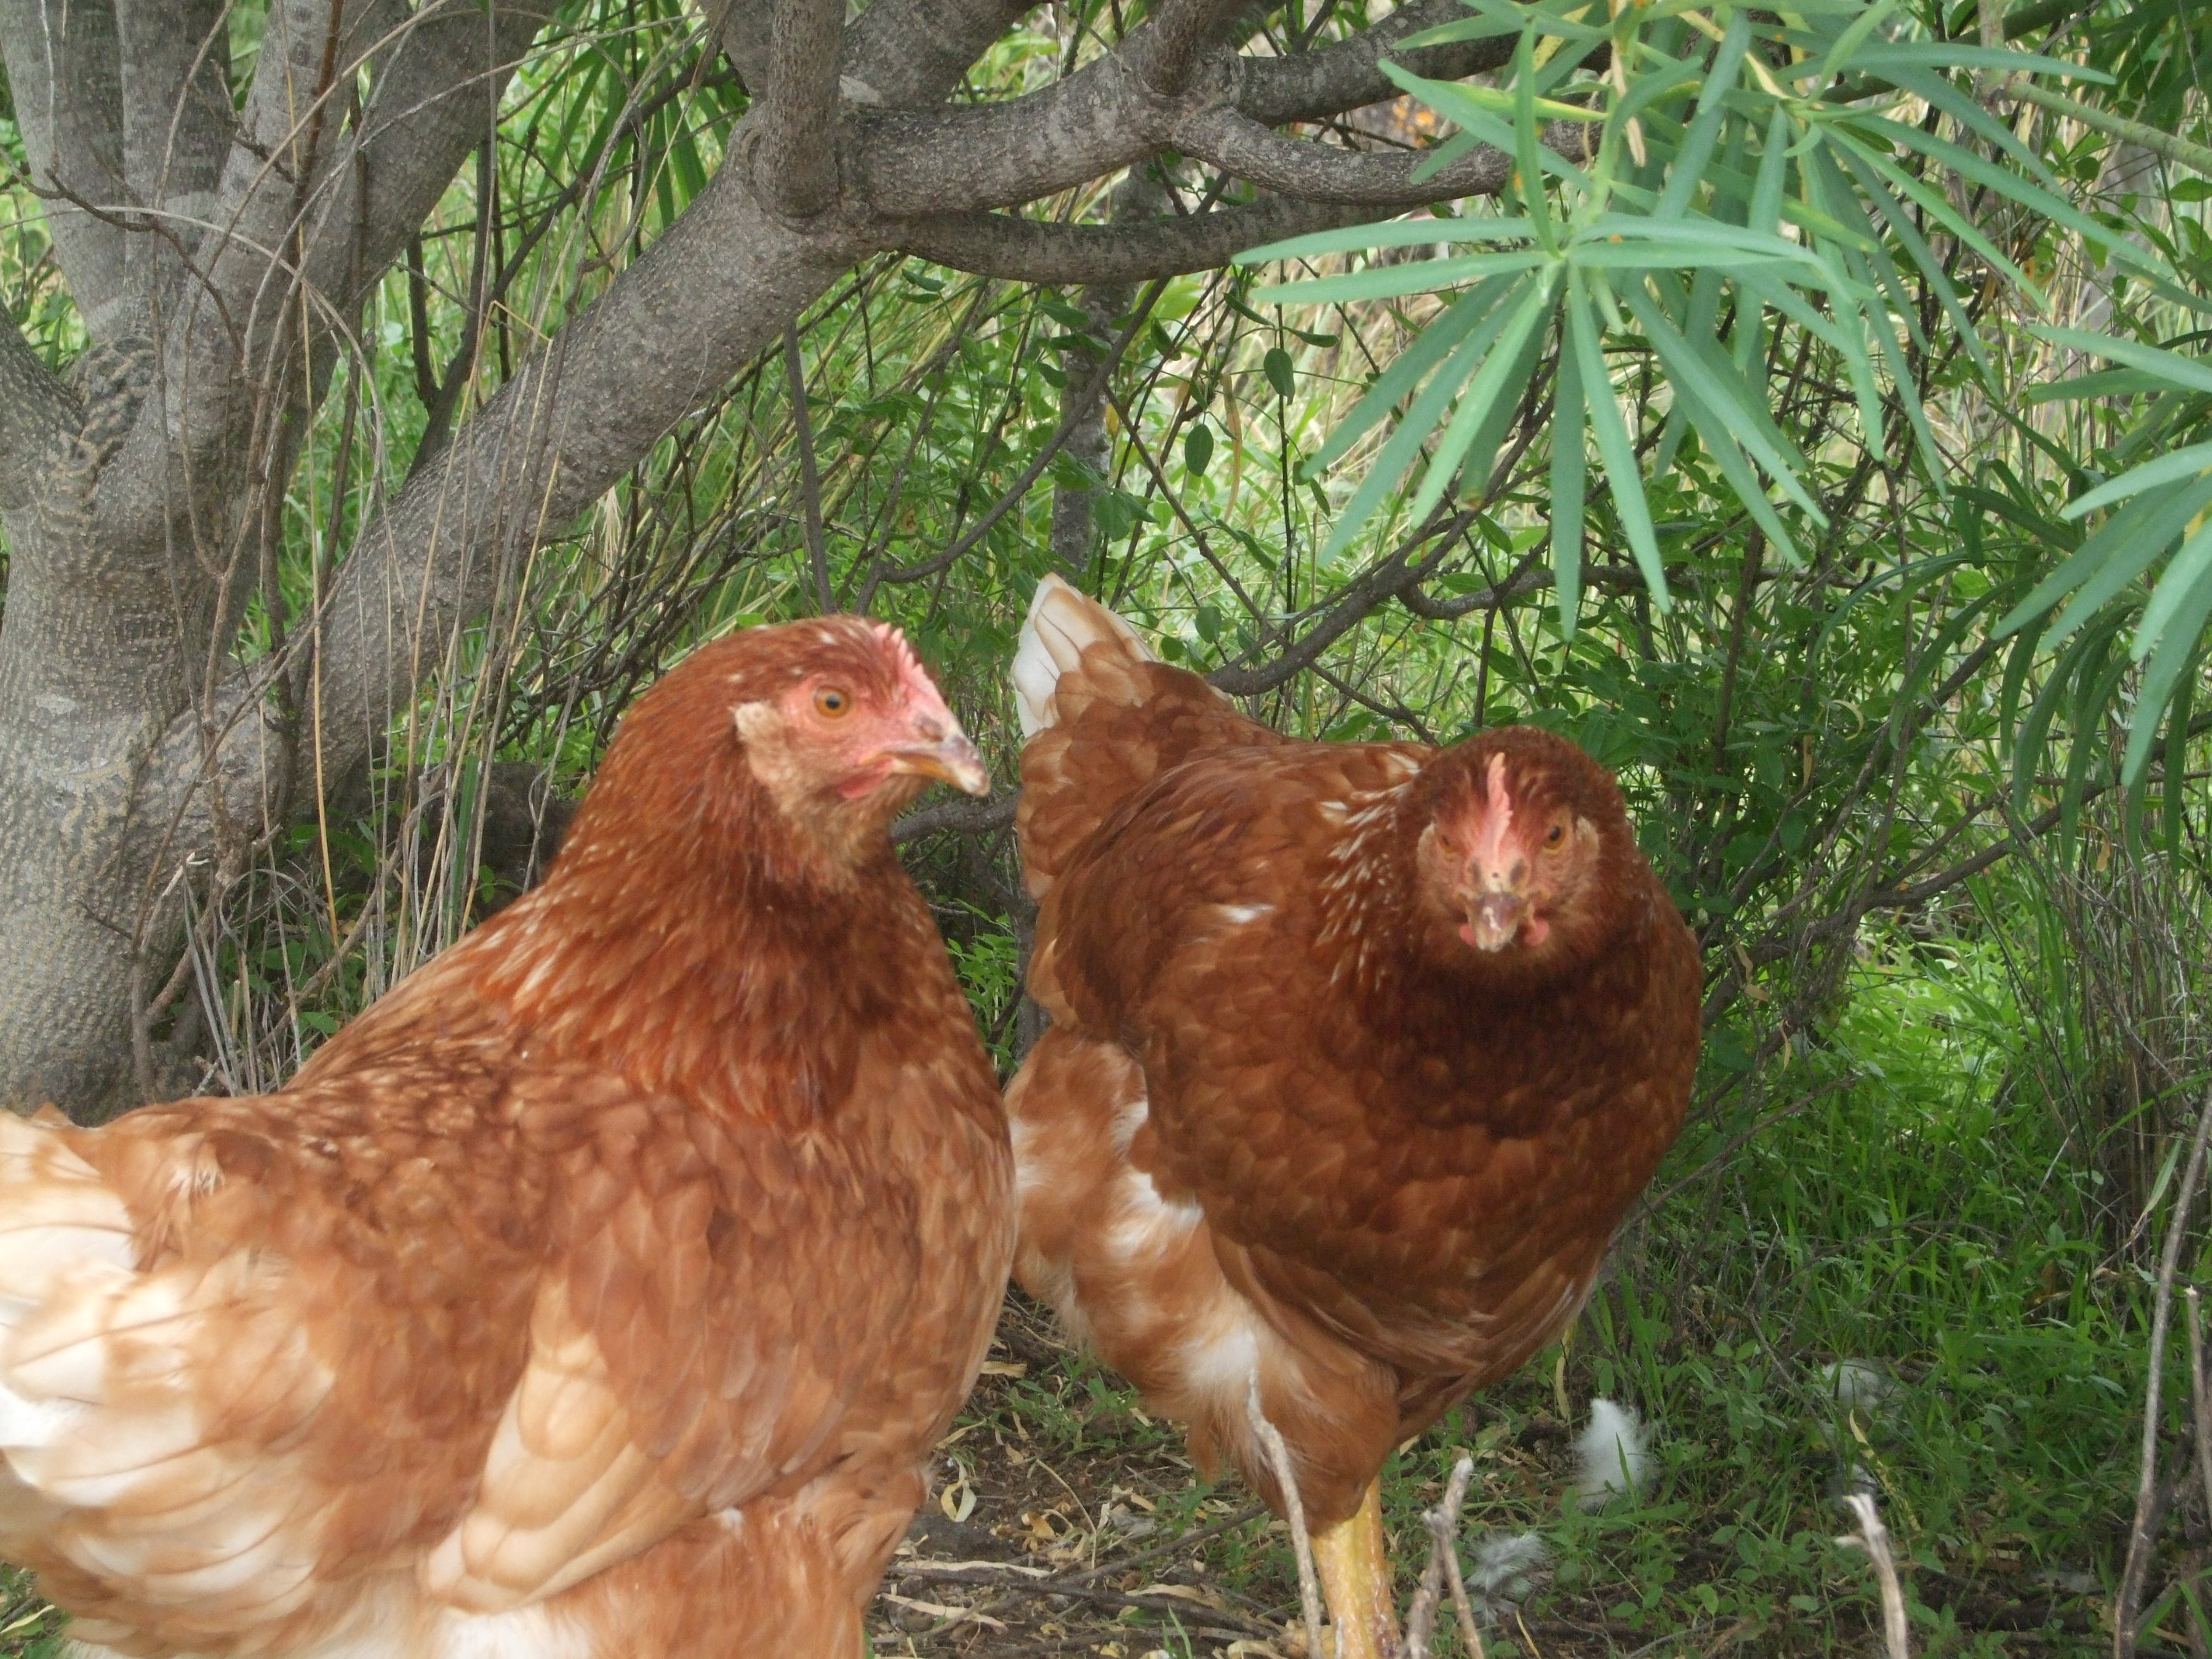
(1355, 1581)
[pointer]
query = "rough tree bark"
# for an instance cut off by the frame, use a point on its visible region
(219, 249)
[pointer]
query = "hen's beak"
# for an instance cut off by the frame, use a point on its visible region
(951, 757)
(1494, 920)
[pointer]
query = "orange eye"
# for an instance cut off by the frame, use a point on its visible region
(1559, 835)
(832, 703)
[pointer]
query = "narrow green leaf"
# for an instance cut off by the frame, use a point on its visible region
(1569, 466)
(1398, 380)
(1388, 281)
(1951, 54)
(1421, 420)
(2181, 464)
(1697, 149)
(2170, 367)
(1488, 384)
(2124, 547)
(1915, 246)
(1848, 44)
(1399, 232)
(1528, 146)
(2175, 652)
(2175, 585)
(1615, 448)
(1750, 425)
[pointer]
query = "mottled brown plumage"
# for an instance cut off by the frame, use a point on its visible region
(601, 1291)
(1359, 1052)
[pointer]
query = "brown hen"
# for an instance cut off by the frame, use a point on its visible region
(601, 1291)
(1360, 1053)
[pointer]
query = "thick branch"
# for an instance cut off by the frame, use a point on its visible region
(794, 160)
(61, 63)
(1030, 250)
(915, 52)
(1313, 85)
(1167, 52)
(1323, 173)
(38, 415)
(174, 58)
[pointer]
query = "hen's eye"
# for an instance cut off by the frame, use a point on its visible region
(1557, 836)
(832, 703)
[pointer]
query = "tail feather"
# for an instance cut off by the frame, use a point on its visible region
(1062, 625)
(1102, 716)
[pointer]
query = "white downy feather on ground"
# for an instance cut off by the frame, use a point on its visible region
(1503, 1571)
(1612, 1455)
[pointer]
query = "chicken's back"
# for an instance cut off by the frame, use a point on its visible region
(1102, 719)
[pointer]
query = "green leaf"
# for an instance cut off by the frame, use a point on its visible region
(1717, 386)
(2180, 463)
(2171, 368)
(1689, 163)
(1421, 420)
(1489, 385)
(1615, 448)
(1276, 365)
(1399, 232)
(2174, 654)
(1528, 146)
(1386, 282)
(1397, 381)
(2128, 544)
(1197, 448)
(2174, 588)
(1570, 466)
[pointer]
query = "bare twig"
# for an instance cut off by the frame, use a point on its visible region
(1874, 1538)
(810, 476)
(1294, 1512)
(2142, 1534)
(1443, 1523)
(2199, 1402)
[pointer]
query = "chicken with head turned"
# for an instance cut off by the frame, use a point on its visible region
(602, 1290)
(1360, 1053)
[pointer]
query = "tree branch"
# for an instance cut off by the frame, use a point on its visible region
(62, 72)
(1032, 250)
(1311, 86)
(1243, 147)
(38, 415)
(795, 158)
(174, 60)
(1169, 48)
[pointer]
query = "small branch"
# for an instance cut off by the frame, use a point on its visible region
(1874, 1538)
(795, 159)
(1309, 86)
(1327, 172)
(2200, 1402)
(2179, 151)
(1093, 390)
(963, 817)
(2141, 1534)
(1443, 1523)
(1021, 250)
(1294, 1512)
(810, 476)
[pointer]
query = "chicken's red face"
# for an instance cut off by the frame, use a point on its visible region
(854, 718)
(1513, 854)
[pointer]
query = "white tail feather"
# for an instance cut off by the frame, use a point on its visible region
(1060, 624)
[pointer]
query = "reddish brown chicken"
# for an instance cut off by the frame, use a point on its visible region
(1360, 1053)
(601, 1291)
